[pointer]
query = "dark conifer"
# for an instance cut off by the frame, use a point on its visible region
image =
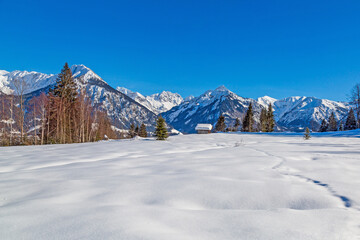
(65, 87)
(236, 125)
(161, 131)
(62, 102)
(137, 130)
(132, 130)
(270, 119)
(332, 123)
(263, 120)
(350, 121)
(248, 120)
(142, 131)
(220, 125)
(323, 126)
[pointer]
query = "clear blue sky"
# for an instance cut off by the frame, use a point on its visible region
(255, 48)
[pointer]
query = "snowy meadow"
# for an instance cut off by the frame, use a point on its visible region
(216, 186)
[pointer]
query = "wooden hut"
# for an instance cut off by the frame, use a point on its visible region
(203, 128)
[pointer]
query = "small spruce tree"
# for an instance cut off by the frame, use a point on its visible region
(220, 124)
(332, 122)
(323, 126)
(132, 130)
(236, 125)
(142, 131)
(161, 131)
(307, 134)
(248, 120)
(270, 119)
(350, 123)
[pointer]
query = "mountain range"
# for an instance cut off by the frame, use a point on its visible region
(122, 109)
(124, 106)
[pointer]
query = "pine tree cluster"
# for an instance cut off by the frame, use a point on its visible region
(332, 125)
(137, 131)
(267, 121)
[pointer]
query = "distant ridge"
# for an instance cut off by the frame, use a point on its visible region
(125, 106)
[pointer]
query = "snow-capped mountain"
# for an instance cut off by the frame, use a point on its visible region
(266, 100)
(157, 103)
(293, 113)
(34, 81)
(126, 107)
(189, 98)
(122, 109)
(207, 108)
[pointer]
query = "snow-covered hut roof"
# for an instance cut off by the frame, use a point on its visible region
(203, 126)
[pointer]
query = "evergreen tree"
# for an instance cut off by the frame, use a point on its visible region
(132, 130)
(307, 134)
(142, 131)
(270, 119)
(65, 85)
(220, 125)
(161, 131)
(62, 112)
(248, 120)
(341, 128)
(350, 121)
(137, 130)
(236, 125)
(323, 126)
(332, 122)
(263, 120)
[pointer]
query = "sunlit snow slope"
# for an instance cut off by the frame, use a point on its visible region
(216, 186)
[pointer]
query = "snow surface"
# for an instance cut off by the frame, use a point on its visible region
(215, 186)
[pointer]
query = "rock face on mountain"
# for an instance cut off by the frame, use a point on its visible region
(120, 108)
(291, 114)
(158, 102)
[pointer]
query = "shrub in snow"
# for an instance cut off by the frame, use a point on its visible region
(307, 134)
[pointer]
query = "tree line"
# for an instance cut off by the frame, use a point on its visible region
(332, 125)
(267, 122)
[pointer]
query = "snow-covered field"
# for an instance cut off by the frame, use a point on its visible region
(217, 186)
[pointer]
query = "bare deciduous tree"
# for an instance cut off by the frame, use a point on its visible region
(20, 88)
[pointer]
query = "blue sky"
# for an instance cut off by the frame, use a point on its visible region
(255, 48)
